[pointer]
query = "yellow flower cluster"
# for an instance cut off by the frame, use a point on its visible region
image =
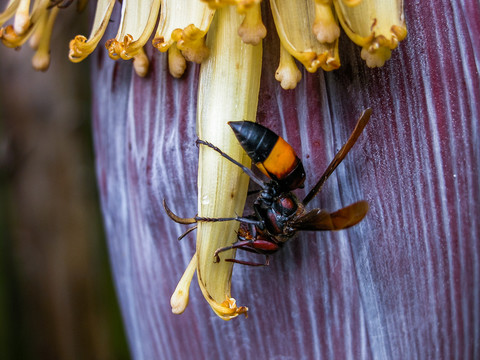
(308, 30)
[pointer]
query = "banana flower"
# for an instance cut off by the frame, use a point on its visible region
(404, 283)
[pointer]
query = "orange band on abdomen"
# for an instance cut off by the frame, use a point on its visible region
(281, 161)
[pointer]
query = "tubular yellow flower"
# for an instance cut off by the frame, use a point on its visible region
(308, 30)
(80, 46)
(251, 30)
(182, 28)
(376, 25)
(294, 22)
(232, 74)
(136, 25)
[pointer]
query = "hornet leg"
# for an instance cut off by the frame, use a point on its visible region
(244, 168)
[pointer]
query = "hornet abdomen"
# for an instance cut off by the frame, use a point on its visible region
(270, 153)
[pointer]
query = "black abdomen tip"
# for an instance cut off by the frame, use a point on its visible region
(256, 140)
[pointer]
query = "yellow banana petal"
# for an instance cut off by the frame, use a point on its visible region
(228, 90)
(294, 21)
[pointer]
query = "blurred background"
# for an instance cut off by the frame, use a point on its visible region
(57, 299)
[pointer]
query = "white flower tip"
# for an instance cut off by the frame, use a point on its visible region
(326, 32)
(288, 77)
(21, 23)
(34, 41)
(252, 35)
(179, 301)
(252, 30)
(287, 72)
(325, 26)
(41, 61)
(376, 58)
(140, 64)
(176, 62)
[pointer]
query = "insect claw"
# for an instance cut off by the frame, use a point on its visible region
(176, 218)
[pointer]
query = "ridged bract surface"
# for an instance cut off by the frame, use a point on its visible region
(403, 284)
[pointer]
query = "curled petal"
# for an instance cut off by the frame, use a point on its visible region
(80, 46)
(136, 25)
(182, 28)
